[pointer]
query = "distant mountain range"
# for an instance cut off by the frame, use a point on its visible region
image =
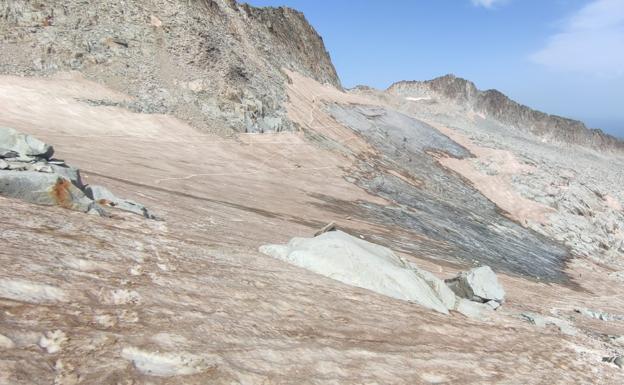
(494, 104)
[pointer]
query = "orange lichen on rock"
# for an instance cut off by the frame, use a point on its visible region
(61, 193)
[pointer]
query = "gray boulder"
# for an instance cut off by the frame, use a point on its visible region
(22, 144)
(100, 194)
(103, 196)
(71, 173)
(44, 189)
(96, 209)
(479, 284)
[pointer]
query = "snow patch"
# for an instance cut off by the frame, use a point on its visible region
(124, 297)
(53, 342)
(6, 342)
(26, 291)
(165, 364)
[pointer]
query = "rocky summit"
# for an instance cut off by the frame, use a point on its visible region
(297, 232)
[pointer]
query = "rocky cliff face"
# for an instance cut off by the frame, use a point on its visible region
(496, 105)
(215, 63)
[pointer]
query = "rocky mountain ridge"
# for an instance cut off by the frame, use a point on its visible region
(215, 63)
(494, 104)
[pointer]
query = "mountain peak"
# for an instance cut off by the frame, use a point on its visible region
(496, 105)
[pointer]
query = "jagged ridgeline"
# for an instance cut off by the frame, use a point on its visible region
(215, 63)
(495, 105)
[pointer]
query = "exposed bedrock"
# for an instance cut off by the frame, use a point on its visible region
(215, 63)
(438, 204)
(28, 172)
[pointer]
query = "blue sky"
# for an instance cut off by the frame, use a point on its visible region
(564, 57)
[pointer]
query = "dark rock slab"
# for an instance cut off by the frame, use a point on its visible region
(437, 204)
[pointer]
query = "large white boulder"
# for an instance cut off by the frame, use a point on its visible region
(359, 263)
(479, 284)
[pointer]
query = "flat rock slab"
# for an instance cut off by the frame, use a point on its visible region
(103, 196)
(442, 205)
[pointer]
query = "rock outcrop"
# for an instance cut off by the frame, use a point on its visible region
(600, 315)
(215, 63)
(43, 188)
(359, 263)
(496, 105)
(14, 143)
(28, 172)
(479, 285)
(104, 197)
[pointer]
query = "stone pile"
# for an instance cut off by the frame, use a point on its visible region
(28, 171)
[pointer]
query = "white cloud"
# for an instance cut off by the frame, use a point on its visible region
(487, 3)
(591, 41)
